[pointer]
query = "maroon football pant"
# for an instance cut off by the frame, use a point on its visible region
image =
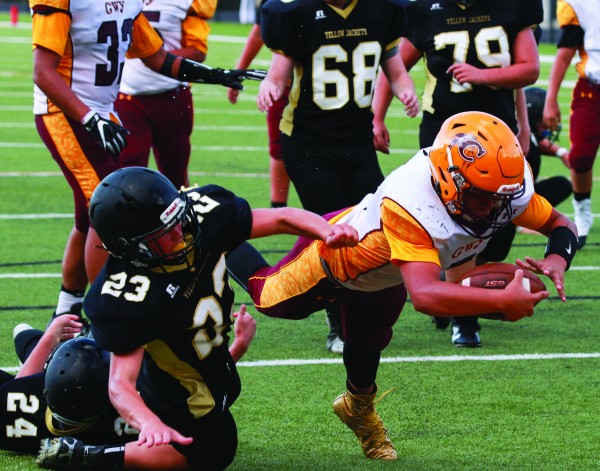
(163, 123)
(584, 131)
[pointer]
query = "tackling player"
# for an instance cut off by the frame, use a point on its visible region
(162, 306)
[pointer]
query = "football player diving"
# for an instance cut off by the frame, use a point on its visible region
(436, 211)
(162, 305)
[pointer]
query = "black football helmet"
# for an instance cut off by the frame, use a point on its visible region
(76, 382)
(535, 98)
(136, 205)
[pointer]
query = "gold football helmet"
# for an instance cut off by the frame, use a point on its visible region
(476, 160)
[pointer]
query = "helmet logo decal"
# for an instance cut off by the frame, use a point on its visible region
(469, 148)
(509, 189)
(172, 211)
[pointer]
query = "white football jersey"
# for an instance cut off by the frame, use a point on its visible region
(93, 48)
(405, 220)
(585, 13)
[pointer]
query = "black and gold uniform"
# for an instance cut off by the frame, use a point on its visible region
(337, 53)
(182, 319)
(481, 35)
(25, 418)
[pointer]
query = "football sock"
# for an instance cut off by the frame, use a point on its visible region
(67, 298)
(361, 365)
(243, 262)
(103, 456)
(582, 196)
(275, 204)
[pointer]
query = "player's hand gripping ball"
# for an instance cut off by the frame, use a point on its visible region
(498, 276)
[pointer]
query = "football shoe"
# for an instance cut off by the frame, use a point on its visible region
(60, 453)
(358, 412)
(583, 219)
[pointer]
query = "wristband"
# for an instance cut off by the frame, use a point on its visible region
(561, 151)
(87, 116)
(563, 242)
(167, 67)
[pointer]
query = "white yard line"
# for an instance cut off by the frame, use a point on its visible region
(451, 358)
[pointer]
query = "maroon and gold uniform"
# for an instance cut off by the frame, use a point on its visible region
(158, 111)
(92, 39)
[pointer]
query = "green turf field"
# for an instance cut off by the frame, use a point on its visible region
(527, 400)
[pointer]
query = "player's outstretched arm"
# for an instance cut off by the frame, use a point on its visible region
(271, 89)
(296, 221)
(253, 44)
(560, 250)
(431, 296)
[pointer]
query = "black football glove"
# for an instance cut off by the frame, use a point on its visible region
(190, 71)
(109, 134)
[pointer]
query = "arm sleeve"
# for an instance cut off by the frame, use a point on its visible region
(194, 33)
(146, 40)
(572, 32)
(50, 30)
(408, 240)
(195, 28)
(531, 14)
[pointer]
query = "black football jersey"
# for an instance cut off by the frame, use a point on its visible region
(23, 415)
(337, 54)
(181, 318)
(481, 35)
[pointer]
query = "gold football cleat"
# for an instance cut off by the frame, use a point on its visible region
(358, 412)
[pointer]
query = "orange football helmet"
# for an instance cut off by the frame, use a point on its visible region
(476, 157)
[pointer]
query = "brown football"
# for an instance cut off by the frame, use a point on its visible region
(498, 276)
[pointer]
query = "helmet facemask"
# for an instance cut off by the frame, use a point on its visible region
(142, 219)
(147, 251)
(535, 99)
(465, 207)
